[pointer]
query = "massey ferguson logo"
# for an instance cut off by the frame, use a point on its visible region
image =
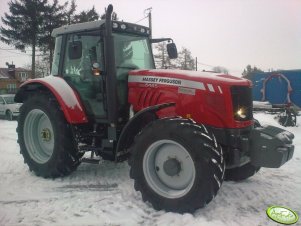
(156, 80)
(162, 80)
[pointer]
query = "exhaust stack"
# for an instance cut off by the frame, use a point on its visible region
(111, 84)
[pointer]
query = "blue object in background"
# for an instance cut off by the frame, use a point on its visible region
(276, 88)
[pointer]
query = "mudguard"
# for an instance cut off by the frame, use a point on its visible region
(67, 98)
(135, 125)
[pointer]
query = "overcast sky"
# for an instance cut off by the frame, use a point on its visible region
(229, 33)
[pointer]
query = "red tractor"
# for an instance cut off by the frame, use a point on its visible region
(183, 132)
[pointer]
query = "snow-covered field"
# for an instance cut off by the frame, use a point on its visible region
(104, 194)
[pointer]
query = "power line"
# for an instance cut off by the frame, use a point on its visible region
(141, 19)
(10, 56)
(14, 52)
(23, 54)
(205, 64)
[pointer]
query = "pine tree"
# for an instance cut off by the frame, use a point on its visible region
(249, 71)
(161, 57)
(85, 16)
(54, 17)
(185, 61)
(71, 13)
(23, 25)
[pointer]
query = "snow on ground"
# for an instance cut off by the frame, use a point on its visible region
(104, 194)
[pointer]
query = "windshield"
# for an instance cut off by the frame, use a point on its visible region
(9, 99)
(133, 52)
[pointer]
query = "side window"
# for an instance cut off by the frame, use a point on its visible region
(141, 55)
(1, 100)
(82, 51)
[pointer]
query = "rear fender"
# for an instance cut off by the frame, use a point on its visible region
(67, 98)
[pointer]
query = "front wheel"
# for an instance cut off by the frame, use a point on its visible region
(45, 138)
(177, 165)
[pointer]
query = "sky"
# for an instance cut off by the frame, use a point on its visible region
(228, 33)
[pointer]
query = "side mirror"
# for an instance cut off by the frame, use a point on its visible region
(172, 50)
(75, 50)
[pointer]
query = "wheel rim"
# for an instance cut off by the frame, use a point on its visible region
(169, 169)
(38, 136)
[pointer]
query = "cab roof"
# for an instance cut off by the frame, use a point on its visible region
(86, 26)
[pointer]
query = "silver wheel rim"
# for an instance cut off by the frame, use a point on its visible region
(38, 136)
(169, 169)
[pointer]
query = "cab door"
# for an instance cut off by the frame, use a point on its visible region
(84, 52)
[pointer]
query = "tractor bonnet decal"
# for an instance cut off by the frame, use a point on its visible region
(167, 81)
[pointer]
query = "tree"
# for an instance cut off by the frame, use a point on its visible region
(71, 12)
(185, 61)
(23, 25)
(42, 68)
(85, 16)
(54, 17)
(161, 57)
(220, 69)
(249, 71)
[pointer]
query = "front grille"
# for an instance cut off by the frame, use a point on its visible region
(242, 102)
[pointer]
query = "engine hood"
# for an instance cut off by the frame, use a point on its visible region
(182, 77)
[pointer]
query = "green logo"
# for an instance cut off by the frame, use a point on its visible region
(282, 215)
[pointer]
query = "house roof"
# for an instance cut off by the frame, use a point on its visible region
(5, 75)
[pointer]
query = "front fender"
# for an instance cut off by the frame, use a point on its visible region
(135, 125)
(67, 98)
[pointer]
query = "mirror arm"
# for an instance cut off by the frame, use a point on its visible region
(156, 40)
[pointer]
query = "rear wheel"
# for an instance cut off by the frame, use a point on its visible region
(45, 138)
(176, 165)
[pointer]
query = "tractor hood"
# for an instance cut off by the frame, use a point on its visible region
(207, 97)
(184, 78)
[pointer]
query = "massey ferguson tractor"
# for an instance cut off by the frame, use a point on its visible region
(182, 132)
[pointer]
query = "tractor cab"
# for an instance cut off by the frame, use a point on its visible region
(80, 58)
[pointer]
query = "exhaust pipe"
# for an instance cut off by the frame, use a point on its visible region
(111, 81)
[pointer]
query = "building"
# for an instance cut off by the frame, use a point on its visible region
(12, 77)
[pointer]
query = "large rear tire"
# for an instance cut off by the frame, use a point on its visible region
(177, 165)
(45, 137)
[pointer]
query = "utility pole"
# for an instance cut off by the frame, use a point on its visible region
(196, 63)
(149, 20)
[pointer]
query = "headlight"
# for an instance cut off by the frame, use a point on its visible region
(242, 103)
(241, 113)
